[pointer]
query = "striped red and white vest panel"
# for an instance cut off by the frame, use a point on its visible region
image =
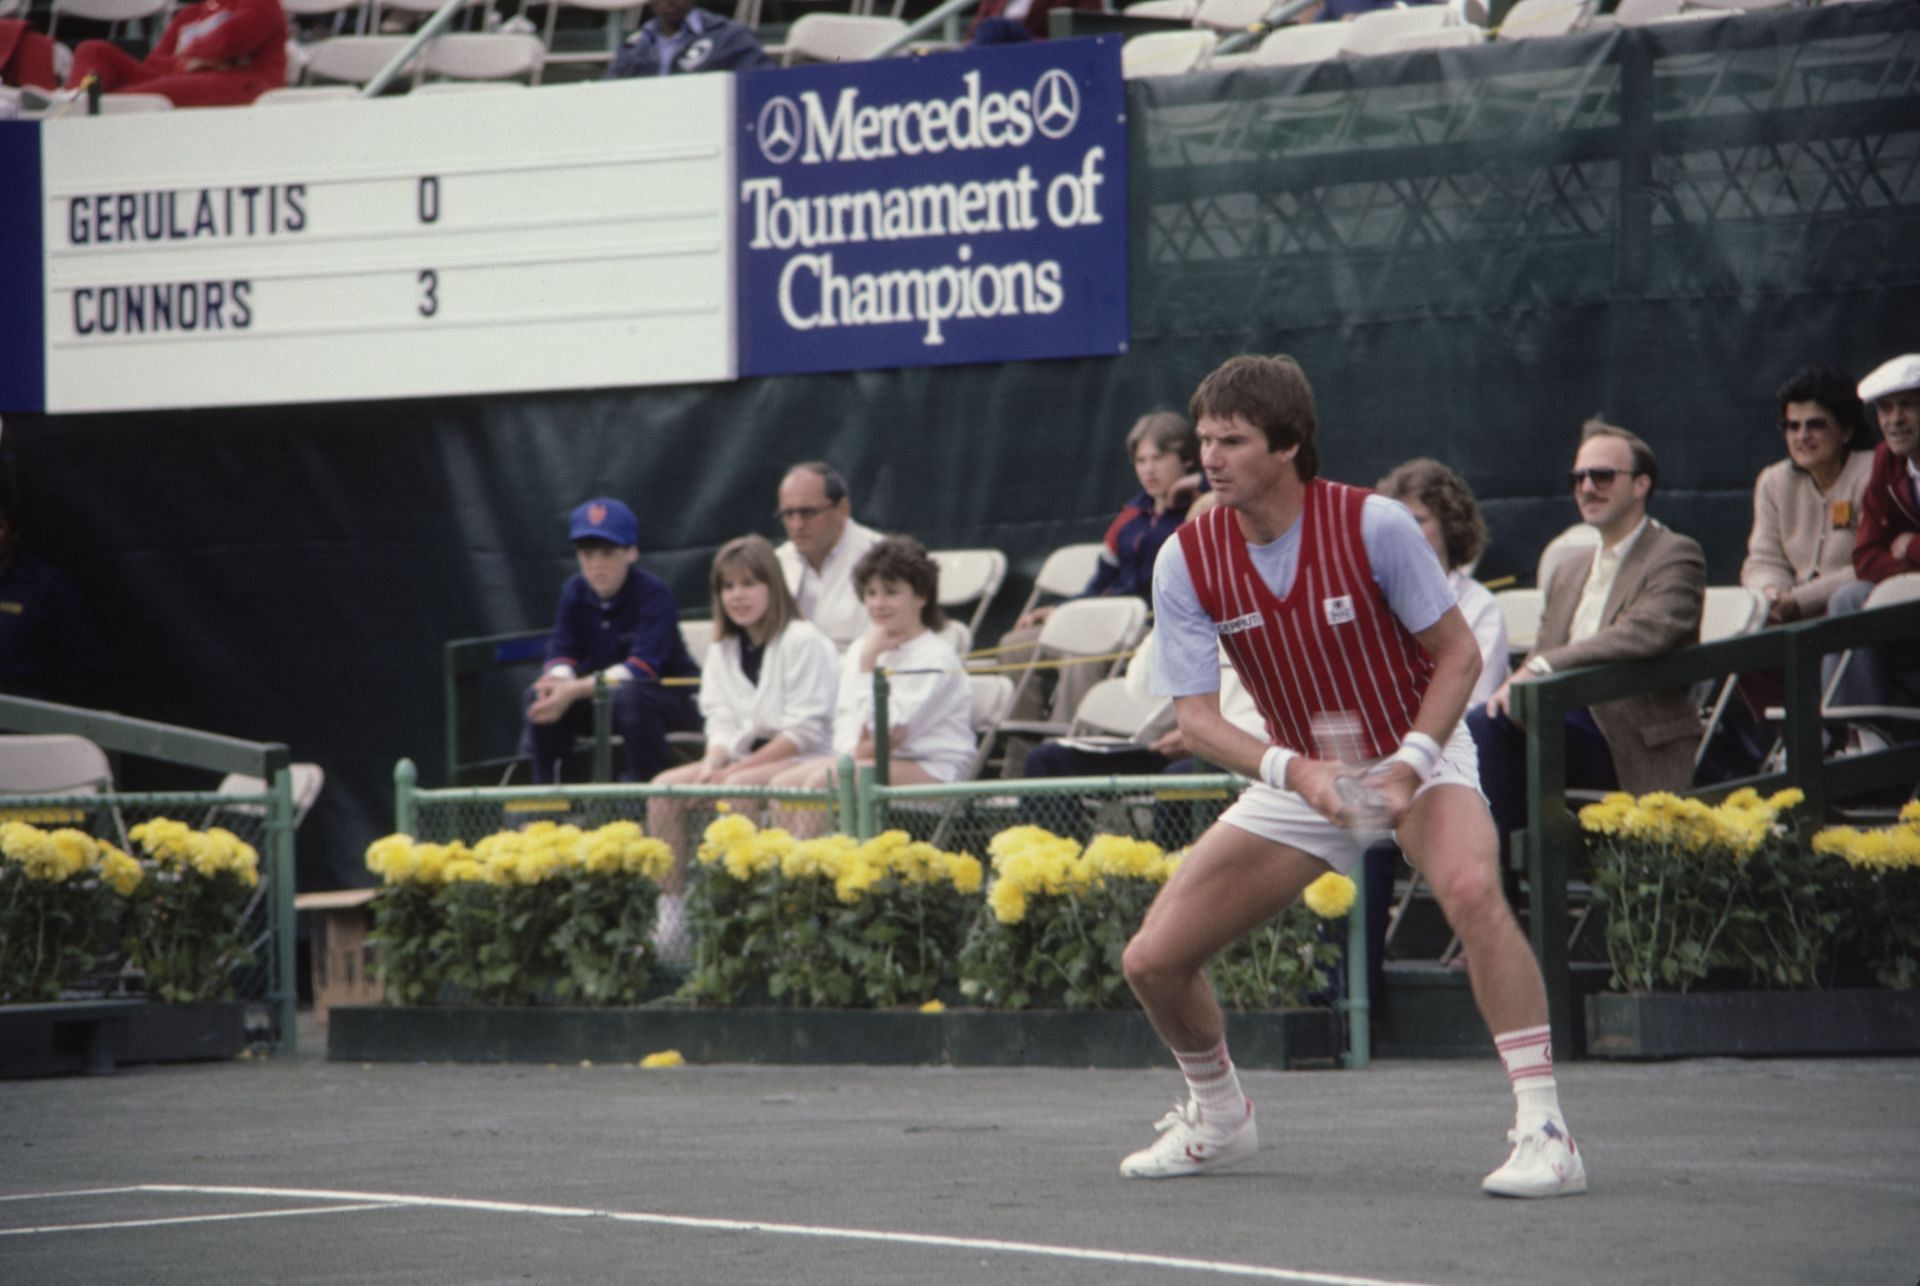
(1332, 646)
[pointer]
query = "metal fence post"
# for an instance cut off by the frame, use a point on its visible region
(846, 787)
(405, 810)
(1358, 1005)
(867, 825)
(882, 729)
(284, 990)
(602, 729)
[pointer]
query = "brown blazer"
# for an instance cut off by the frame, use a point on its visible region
(1654, 607)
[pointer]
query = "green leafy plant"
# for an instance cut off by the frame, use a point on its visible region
(1690, 889)
(1878, 889)
(62, 900)
(548, 913)
(825, 922)
(187, 932)
(1290, 960)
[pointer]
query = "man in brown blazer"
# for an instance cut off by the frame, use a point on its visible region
(1640, 595)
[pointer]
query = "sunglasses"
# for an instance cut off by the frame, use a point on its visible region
(1812, 424)
(1600, 478)
(801, 513)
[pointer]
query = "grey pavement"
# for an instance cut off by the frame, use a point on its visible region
(298, 1169)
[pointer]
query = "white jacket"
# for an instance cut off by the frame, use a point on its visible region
(798, 680)
(936, 707)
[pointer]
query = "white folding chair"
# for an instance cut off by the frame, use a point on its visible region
(308, 779)
(838, 37)
(970, 576)
(335, 9)
(414, 12)
(435, 88)
(1065, 573)
(1165, 53)
(115, 13)
(353, 60)
(1533, 19)
(53, 764)
(1084, 627)
(124, 103)
(1577, 541)
(476, 56)
(1521, 608)
(1904, 588)
(1730, 611)
(1305, 42)
(1461, 37)
(1371, 32)
(1230, 15)
(697, 634)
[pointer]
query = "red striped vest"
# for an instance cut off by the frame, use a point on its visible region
(1331, 645)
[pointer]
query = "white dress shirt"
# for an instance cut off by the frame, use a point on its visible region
(827, 596)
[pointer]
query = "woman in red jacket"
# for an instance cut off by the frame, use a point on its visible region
(221, 53)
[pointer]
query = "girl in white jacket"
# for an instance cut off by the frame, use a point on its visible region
(767, 690)
(930, 704)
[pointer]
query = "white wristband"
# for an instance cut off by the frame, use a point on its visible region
(1273, 766)
(1419, 752)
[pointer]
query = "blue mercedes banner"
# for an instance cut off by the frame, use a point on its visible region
(963, 207)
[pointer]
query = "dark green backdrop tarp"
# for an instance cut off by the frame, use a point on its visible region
(1469, 251)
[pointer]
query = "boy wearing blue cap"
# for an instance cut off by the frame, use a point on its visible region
(620, 622)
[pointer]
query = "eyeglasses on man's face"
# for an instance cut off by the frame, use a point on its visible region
(1812, 424)
(801, 513)
(1601, 479)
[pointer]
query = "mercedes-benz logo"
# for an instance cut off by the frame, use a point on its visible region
(1056, 103)
(779, 130)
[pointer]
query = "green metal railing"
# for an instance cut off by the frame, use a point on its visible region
(264, 820)
(1551, 842)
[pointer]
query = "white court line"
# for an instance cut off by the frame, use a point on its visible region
(180, 1219)
(1222, 1268)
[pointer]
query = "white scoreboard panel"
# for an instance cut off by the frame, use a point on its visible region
(564, 237)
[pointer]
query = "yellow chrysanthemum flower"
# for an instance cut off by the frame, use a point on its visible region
(120, 872)
(1329, 897)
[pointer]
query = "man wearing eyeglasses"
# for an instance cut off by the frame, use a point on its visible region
(1888, 543)
(823, 543)
(1639, 596)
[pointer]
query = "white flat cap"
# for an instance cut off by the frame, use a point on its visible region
(1896, 376)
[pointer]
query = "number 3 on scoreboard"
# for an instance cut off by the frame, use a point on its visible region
(429, 292)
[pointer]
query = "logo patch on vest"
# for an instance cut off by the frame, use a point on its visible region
(1239, 624)
(1339, 610)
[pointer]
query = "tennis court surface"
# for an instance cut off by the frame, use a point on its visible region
(297, 1169)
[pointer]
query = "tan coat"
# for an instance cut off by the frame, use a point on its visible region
(1653, 608)
(1802, 541)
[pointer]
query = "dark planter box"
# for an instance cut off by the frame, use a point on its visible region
(959, 1037)
(158, 1033)
(63, 1038)
(1753, 1024)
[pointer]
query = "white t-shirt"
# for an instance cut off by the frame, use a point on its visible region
(827, 597)
(927, 690)
(1186, 659)
(799, 676)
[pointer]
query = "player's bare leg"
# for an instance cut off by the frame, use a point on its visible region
(1449, 837)
(1229, 885)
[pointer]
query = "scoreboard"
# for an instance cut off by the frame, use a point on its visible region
(573, 236)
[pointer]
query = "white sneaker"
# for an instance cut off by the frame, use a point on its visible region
(1545, 1163)
(1188, 1145)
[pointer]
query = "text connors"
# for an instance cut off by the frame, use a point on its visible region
(812, 295)
(163, 308)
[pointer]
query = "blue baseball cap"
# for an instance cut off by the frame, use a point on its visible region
(604, 519)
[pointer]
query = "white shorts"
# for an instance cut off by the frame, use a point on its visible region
(1285, 818)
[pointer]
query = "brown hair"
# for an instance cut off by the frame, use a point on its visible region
(1270, 393)
(906, 561)
(1170, 432)
(753, 557)
(1444, 494)
(1643, 461)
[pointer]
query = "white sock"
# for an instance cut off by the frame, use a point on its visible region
(1528, 1057)
(1214, 1085)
